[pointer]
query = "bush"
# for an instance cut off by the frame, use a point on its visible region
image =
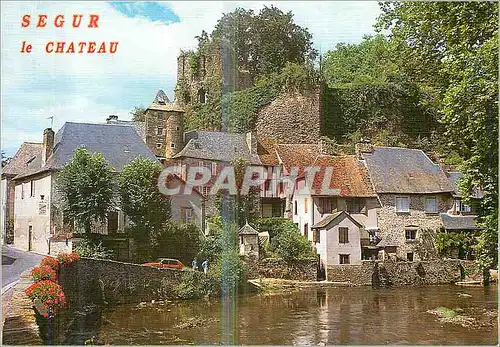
(274, 225)
(179, 241)
(291, 246)
(67, 258)
(43, 272)
(48, 292)
(89, 249)
(50, 261)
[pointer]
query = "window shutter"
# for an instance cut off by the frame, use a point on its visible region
(214, 168)
(183, 213)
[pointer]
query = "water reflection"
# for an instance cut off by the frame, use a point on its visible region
(308, 317)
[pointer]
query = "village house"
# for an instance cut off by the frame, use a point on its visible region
(340, 223)
(39, 224)
(412, 192)
(24, 157)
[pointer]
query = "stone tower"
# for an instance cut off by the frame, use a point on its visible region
(164, 126)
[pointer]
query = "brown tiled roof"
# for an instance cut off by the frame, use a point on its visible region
(349, 175)
(266, 149)
(28, 155)
(297, 155)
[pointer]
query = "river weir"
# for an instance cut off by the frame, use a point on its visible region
(309, 316)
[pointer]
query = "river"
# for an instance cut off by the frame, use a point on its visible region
(360, 315)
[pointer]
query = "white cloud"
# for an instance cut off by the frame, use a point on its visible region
(78, 87)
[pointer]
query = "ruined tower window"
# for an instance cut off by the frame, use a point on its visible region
(187, 97)
(202, 96)
(158, 145)
(177, 128)
(159, 131)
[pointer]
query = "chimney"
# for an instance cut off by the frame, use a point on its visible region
(252, 142)
(364, 146)
(112, 119)
(48, 144)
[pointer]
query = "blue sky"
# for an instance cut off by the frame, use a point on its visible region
(150, 34)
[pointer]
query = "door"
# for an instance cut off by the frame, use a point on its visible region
(30, 232)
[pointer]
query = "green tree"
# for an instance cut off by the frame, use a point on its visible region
(142, 202)
(178, 240)
(86, 185)
(264, 43)
(138, 114)
(454, 47)
(290, 245)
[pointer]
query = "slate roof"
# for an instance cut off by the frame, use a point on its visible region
(388, 241)
(349, 176)
(403, 170)
(335, 218)
(140, 127)
(26, 157)
(217, 146)
(459, 222)
(118, 144)
(163, 103)
(247, 230)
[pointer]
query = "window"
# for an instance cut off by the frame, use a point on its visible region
(306, 230)
(402, 204)
(277, 210)
(344, 259)
(159, 115)
(461, 207)
(306, 205)
(409, 256)
(317, 235)
(22, 190)
(343, 235)
(186, 214)
(172, 145)
(32, 189)
(202, 96)
(206, 190)
(159, 131)
(355, 205)
(327, 205)
(267, 185)
(431, 205)
(207, 165)
(214, 168)
(411, 234)
(158, 145)
(295, 207)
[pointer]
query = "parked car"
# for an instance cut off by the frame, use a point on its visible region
(166, 263)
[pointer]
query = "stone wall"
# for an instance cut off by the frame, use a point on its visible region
(392, 224)
(400, 272)
(291, 118)
(94, 281)
(353, 274)
(305, 270)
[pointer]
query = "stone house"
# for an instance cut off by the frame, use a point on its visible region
(39, 224)
(412, 192)
(316, 210)
(214, 150)
(184, 207)
(23, 158)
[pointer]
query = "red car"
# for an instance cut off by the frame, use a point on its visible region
(166, 263)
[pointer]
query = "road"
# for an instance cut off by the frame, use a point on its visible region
(14, 262)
